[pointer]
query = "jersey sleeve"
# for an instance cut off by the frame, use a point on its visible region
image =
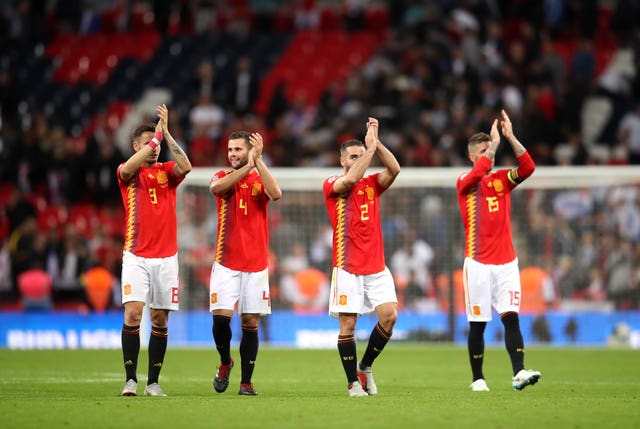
(374, 180)
(170, 168)
(470, 178)
(120, 181)
(327, 186)
(525, 168)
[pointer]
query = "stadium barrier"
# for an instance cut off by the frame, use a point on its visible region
(288, 329)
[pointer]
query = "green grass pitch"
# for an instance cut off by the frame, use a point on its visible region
(419, 386)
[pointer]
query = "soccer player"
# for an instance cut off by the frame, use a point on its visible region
(490, 271)
(361, 282)
(150, 257)
(240, 268)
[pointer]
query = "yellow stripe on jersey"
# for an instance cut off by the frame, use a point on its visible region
(131, 209)
(221, 229)
(340, 229)
(471, 219)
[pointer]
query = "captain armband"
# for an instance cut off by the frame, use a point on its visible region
(514, 177)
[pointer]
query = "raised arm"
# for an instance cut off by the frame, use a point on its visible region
(131, 166)
(270, 183)
(507, 132)
(220, 186)
(183, 165)
(391, 165)
(357, 170)
(495, 142)
(526, 165)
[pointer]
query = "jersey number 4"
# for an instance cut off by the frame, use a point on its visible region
(243, 206)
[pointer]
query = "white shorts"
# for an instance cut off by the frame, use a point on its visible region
(487, 286)
(249, 290)
(150, 280)
(359, 293)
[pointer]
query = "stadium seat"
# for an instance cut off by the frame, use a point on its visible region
(84, 217)
(53, 216)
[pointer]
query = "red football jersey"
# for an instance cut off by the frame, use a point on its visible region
(485, 205)
(355, 219)
(149, 200)
(243, 232)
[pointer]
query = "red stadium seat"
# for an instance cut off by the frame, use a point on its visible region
(52, 217)
(85, 218)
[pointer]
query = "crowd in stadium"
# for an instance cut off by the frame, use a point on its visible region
(306, 73)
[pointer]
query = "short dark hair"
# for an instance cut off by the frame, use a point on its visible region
(349, 143)
(142, 128)
(241, 135)
(476, 139)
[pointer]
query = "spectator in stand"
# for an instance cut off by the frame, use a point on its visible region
(26, 247)
(629, 133)
(207, 117)
(98, 283)
(103, 157)
(68, 261)
(244, 87)
(5, 269)
(206, 80)
(35, 288)
(412, 262)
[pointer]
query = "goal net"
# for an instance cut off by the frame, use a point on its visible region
(575, 231)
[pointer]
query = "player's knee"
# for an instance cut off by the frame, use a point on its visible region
(388, 318)
(132, 315)
(159, 318)
(347, 325)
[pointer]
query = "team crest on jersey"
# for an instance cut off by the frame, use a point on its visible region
(127, 289)
(214, 298)
(370, 194)
(256, 189)
(498, 186)
(343, 300)
(162, 178)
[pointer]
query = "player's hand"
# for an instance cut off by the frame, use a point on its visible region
(507, 127)
(163, 114)
(371, 138)
(251, 160)
(495, 135)
(258, 144)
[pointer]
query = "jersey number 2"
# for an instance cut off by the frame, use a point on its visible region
(364, 212)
